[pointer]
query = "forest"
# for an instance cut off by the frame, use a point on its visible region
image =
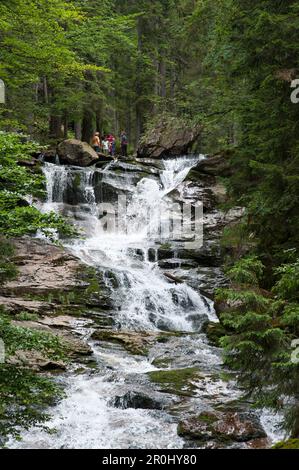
(229, 67)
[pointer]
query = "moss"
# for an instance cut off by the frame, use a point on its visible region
(177, 381)
(77, 181)
(8, 270)
(200, 428)
(165, 337)
(207, 418)
(161, 362)
(226, 376)
(25, 316)
(165, 246)
(290, 444)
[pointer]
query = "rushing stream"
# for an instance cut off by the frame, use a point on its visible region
(144, 301)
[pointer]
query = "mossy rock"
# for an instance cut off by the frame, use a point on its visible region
(225, 427)
(290, 444)
(198, 427)
(176, 381)
(161, 362)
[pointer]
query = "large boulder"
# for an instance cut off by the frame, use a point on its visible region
(168, 138)
(77, 153)
(216, 165)
(230, 426)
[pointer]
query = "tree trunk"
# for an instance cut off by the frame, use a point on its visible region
(78, 130)
(65, 126)
(88, 126)
(55, 127)
(163, 78)
(46, 92)
(138, 83)
(128, 122)
(99, 122)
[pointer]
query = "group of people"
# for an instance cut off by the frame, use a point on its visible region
(107, 144)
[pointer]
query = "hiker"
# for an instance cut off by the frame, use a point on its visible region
(112, 145)
(124, 144)
(105, 145)
(96, 142)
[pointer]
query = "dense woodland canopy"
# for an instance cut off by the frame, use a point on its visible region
(71, 67)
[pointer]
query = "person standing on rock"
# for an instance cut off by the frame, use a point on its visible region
(124, 144)
(106, 146)
(112, 145)
(96, 142)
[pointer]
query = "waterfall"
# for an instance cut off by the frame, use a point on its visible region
(56, 182)
(143, 300)
(176, 170)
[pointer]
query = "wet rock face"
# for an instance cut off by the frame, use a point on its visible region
(77, 153)
(168, 139)
(42, 268)
(51, 288)
(137, 400)
(231, 426)
(134, 342)
(35, 361)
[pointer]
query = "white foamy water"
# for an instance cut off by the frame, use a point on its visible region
(176, 170)
(84, 420)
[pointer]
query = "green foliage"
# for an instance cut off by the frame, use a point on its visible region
(290, 444)
(288, 285)
(18, 338)
(247, 271)
(28, 220)
(261, 330)
(24, 395)
(17, 217)
(26, 316)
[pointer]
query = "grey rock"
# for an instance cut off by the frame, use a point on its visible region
(77, 153)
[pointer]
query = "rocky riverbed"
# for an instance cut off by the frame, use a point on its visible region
(145, 368)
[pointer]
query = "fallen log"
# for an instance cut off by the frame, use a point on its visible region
(177, 280)
(172, 278)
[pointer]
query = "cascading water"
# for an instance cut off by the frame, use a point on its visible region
(143, 300)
